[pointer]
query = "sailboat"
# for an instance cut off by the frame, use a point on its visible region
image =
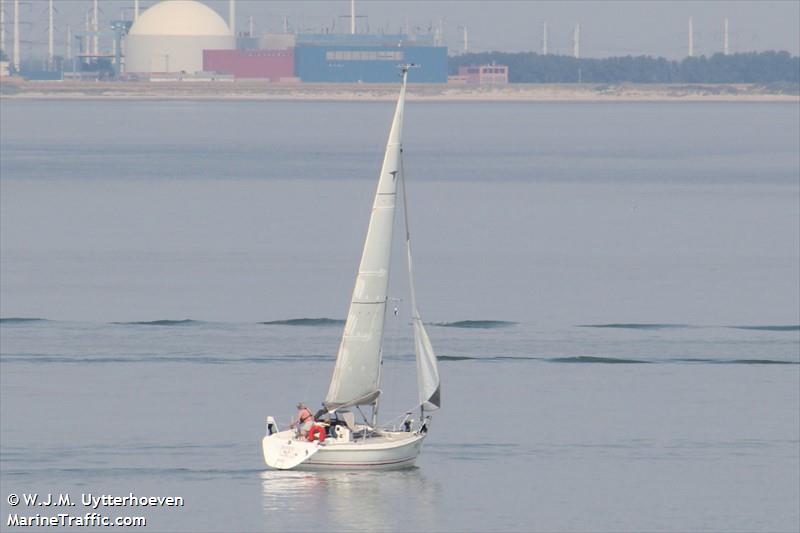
(357, 373)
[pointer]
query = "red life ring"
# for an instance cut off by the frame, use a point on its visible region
(318, 431)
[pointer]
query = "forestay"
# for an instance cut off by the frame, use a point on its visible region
(356, 376)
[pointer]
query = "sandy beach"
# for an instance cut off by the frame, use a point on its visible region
(251, 90)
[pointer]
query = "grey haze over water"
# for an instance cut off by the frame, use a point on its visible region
(616, 28)
(572, 213)
(621, 277)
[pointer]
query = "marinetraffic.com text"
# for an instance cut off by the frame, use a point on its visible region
(59, 509)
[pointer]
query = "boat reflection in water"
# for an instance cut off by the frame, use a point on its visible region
(349, 500)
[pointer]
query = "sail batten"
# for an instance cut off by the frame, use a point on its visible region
(356, 376)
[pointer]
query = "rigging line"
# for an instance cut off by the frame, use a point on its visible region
(312, 377)
(414, 312)
(315, 377)
(403, 414)
(305, 392)
(391, 333)
(416, 320)
(366, 421)
(405, 198)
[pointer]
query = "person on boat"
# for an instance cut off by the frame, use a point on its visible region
(322, 415)
(319, 428)
(304, 420)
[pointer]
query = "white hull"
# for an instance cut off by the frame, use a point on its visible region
(391, 450)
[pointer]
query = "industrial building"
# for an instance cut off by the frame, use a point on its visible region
(186, 36)
(481, 75)
(172, 35)
(188, 40)
(333, 58)
(368, 58)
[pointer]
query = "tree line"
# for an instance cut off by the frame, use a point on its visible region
(530, 67)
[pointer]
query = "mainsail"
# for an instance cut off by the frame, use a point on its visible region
(357, 374)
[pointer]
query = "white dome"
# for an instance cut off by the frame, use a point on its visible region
(180, 17)
(171, 37)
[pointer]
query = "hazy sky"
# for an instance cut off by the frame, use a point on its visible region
(608, 28)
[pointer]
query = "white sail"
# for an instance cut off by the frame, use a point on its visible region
(357, 374)
(428, 383)
(430, 390)
(356, 377)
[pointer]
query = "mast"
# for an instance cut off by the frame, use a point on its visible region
(398, 171)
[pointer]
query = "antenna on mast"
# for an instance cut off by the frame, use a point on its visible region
(405, 67)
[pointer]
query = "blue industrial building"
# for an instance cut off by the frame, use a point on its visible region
(368, 58)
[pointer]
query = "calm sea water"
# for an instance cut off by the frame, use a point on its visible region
(612, 289)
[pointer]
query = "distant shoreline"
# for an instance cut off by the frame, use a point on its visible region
(246, 90)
